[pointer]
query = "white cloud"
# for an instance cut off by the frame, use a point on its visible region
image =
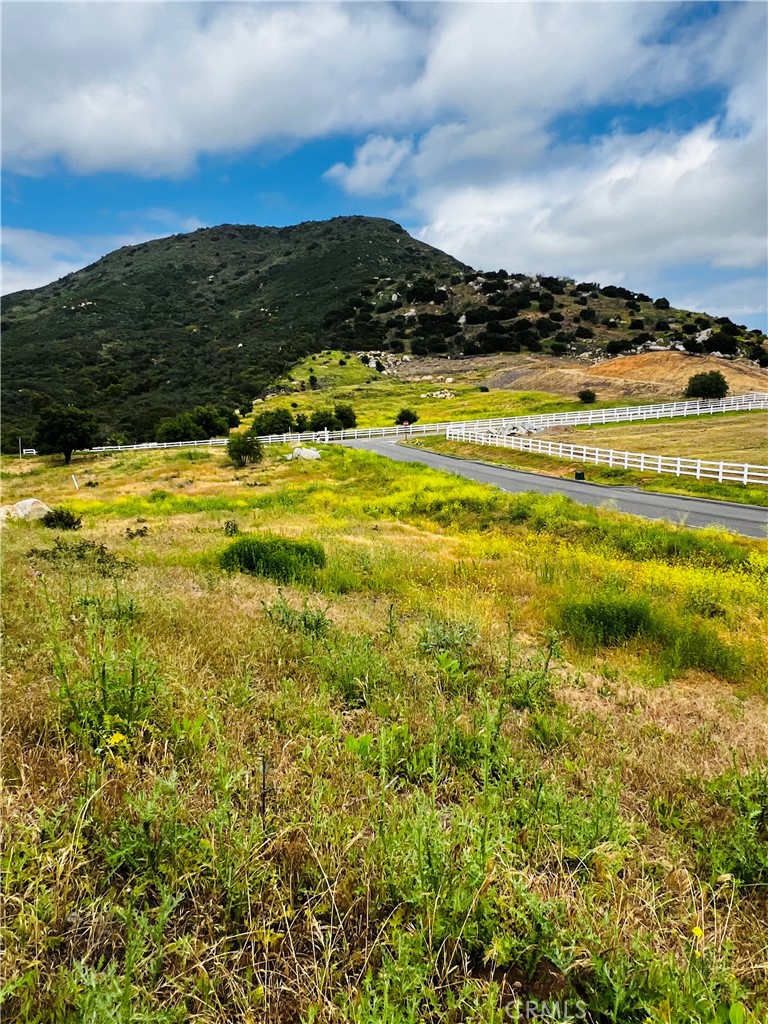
(375, 164)
(455, 102)
(148, 87)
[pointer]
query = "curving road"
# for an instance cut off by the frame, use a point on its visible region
(748, 520)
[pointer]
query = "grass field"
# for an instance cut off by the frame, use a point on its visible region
(377, 399)
(494, 748)
(725, 437)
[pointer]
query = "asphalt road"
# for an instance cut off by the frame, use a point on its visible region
(748, 520)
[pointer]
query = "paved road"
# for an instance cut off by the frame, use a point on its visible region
(749, 520)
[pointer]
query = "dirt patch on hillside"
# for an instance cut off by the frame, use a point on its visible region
(651, 375)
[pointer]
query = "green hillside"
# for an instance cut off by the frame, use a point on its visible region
(211, 316)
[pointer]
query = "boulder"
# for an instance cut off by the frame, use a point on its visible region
(29, 508)
(311, 454)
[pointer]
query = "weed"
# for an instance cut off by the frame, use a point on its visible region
(441, 636)
(85, 555)
(312, 622)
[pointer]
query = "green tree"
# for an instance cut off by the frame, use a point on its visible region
(273, 421)
(182, 427)
(345, 414)
(324, 419)
(65, 429)
(406, 416)
(211, 420)
(707, 385)
(243, 448)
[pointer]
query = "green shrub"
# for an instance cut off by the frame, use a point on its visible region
(244, 448)
(288, 561)
(406, 416)
(61, 518)
(606, 618)
(707, 385)
(587, 395)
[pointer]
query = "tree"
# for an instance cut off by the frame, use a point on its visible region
(707, 385)
(211, 420)
(345, 414)
(273, 421)
(182, 427)
(243, 448)
(406, 416)
(587, 396)
(65, 429)
(324, 419)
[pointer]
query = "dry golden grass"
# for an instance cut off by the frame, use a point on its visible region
(732, 438)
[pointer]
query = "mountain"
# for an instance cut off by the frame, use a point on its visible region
(210, 316)
(218, 315)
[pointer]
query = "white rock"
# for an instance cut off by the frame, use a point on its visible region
(29, 508)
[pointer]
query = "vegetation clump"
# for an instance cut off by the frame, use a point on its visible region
(587, 396)
(707, 385)
(279, 558)
(60, 518)
(406, 416)
(243, 448)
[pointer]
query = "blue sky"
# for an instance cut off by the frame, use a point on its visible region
(619, 142)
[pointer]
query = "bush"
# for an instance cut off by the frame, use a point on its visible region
(406, 416)
(707, 385)
(287, 561)
(244, 448)
(345, 414)
(61, 518)
(587, 396)
(606, 619)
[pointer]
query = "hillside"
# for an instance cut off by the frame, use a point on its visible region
(218, 315)
(211, 316)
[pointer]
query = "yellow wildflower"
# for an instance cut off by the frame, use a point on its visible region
(116, 739)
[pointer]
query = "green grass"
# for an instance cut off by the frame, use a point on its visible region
(496, 747)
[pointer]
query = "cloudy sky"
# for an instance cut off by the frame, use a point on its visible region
(619, 142)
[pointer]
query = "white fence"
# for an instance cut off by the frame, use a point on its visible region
(581, 417)
(722, 472)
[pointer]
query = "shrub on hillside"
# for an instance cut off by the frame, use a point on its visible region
(707, 385)
(281, 559)
(345, 414)
(60, 518)
(244, 448)
(587, 396)
(406, 416)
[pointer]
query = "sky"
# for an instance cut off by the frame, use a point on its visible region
(616, 142)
